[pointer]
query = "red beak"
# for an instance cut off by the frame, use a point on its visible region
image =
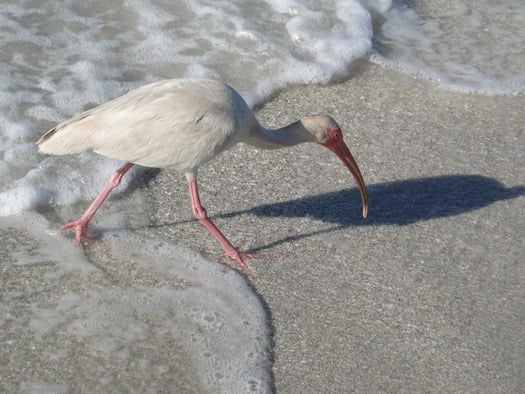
(342, 151)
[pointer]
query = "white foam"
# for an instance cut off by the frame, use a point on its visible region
(21, 198)
(48, 245)
(204, 311)
(52, 76)
(470, 46)
(223, 322)
(380, 6)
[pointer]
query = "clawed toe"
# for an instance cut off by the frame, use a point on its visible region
(238, 261)
(81, 230)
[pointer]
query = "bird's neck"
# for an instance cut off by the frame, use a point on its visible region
(289, 135)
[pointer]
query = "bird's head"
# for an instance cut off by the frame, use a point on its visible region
(327, 133)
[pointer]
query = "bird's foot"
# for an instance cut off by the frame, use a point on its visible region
(81, 230)
(238, 260)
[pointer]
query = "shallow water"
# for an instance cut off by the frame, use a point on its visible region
(466, 46)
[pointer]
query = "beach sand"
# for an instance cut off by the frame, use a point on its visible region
(424, 295)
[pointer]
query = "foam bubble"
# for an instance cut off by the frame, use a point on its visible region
(21, 198)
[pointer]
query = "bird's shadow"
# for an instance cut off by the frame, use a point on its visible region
(396, 203)
(393, 203)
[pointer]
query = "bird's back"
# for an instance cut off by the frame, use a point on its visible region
(176, 123)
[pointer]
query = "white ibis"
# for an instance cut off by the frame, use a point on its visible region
(180, 124)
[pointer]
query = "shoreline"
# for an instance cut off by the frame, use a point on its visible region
(402, 299)
(423, 295)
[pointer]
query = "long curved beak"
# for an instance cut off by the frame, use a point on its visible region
(342, 151)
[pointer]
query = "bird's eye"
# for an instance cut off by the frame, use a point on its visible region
(334, 134)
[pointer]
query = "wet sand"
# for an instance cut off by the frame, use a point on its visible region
(424, 295)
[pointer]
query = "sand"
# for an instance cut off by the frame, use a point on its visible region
(425, 295)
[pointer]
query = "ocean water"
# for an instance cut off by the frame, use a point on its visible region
(58, 58)
(467, 46)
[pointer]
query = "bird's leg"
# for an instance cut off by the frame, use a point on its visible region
(81, 225)
(200, 213)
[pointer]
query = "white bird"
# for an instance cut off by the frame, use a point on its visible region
(181, 124)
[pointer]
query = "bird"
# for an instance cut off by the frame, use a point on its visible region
(181, 124)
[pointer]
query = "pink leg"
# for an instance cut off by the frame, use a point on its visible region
(81, 225)
(230, 250)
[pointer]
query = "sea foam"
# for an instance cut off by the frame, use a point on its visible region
(65, 57)
(468, 46)
(167, 312)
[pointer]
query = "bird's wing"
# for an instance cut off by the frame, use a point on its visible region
(158, 125)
